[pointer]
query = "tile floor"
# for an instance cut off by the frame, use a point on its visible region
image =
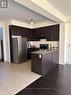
(15, 77)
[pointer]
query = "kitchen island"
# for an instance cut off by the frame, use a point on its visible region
(43, 61)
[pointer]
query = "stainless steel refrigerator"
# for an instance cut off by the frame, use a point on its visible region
(19, 49)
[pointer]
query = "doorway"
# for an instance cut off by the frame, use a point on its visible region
(1, 45)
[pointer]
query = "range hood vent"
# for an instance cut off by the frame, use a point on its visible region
(43, 39)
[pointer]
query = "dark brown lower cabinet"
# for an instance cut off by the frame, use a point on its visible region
(56, 57)
(29, 50)
(47, 62)
(36, 63)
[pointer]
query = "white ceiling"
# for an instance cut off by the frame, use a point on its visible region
(64, 6)
(19, 12)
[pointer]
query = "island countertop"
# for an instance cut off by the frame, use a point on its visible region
(43, 51)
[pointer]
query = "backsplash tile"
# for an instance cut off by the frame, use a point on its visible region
(52, 43)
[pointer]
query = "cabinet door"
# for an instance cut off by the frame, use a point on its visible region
(56, 57)
(46, 63)
(42, 33)
(36, 66)
(29, 35)
(35, 34)
(13, 30)
(48, 33)
(55, 33)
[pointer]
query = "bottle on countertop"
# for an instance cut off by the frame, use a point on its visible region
(50, 46)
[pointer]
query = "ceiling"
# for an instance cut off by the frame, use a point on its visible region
(19, 12)
(64, 6)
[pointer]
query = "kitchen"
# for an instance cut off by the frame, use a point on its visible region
(38, 39)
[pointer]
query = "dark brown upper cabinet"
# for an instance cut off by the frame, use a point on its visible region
(20, 31)
(55, 33)
(48, 33)
(51, 33)
(35, 35)
(29, 35)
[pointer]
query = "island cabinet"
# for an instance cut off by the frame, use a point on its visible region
(36, 63)
(55, 58)
(43, 61)
(46, 63)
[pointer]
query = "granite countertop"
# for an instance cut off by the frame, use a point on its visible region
(43, 51)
